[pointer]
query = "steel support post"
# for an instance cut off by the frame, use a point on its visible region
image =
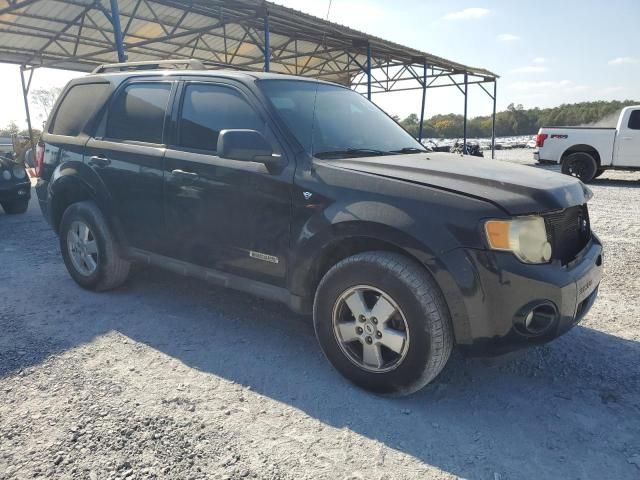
(117, 31)
(493, 120)
(267, 46)
(424, 98)
(464, 129)
(25, 95)
(369, 71)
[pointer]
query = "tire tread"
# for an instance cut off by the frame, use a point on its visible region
(116, 267)
(428, 294)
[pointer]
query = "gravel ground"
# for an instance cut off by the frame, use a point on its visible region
(170, 378)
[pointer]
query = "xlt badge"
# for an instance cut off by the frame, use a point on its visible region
(263, 256)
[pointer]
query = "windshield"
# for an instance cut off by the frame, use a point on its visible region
(345, 123)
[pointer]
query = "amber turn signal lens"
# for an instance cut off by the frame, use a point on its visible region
(498, 234)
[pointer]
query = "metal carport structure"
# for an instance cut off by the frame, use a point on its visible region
(246, 34)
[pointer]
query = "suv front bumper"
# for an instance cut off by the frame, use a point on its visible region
(494, 292)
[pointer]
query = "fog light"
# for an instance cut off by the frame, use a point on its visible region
(536, 318)
(528, 320)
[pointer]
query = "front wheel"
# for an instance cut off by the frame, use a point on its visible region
(383, 323)
(581, 165)
(15, 207)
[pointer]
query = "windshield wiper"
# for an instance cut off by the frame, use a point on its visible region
(409, 150)
(355, 152)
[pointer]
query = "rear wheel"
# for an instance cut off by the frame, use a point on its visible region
(383, 323)
(89, 249)
(581, 165)
(15, 207)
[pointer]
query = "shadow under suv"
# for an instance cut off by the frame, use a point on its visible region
(304, 192)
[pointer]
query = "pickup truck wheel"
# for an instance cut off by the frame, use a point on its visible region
(581, 165)
(89, 249)
(383, 323)
(15, 207)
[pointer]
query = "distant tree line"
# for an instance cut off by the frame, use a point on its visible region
(516, 120)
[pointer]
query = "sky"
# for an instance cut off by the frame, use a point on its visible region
(547, 52)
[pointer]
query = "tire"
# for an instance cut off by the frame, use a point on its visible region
(581, 165)
(111, 269)
(421, 318)
(15, 207)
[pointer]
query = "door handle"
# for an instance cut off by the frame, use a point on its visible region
(99, 161)
(182, 173)
(627, 138)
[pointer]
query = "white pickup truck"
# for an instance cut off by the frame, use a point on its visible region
(586, 152)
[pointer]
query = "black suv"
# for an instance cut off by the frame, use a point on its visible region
(304, 192)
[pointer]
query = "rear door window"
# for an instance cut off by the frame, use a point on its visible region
(207, 109)
(138, 113)
(78, 107)
(634, 120)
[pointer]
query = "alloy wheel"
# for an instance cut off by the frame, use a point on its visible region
(82, 247)
(370, 328)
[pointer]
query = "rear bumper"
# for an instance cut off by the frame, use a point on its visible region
(15, 191)
(536, 157)
(43, 198)
(496, 292)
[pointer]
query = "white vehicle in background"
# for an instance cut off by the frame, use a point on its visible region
(586, 152)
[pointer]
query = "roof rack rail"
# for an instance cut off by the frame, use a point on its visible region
(148, 65)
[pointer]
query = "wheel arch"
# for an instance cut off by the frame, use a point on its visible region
(349, 239)
(75, 182)
(582, 148)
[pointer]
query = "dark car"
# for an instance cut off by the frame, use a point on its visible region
(304, 192)
(15, 186)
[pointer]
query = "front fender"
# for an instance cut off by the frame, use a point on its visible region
(320, 235)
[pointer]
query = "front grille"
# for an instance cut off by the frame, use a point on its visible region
(568, 232)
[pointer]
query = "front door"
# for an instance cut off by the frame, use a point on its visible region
(225, 214)
(628, 141)
(127, 154)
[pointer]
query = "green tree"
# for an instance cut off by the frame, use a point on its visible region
(10, 129)
(516, 120)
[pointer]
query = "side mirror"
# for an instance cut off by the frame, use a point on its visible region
(245, 145)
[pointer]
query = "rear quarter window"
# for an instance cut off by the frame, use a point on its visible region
(78, 106)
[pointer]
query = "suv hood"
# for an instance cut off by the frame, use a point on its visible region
(517, 189)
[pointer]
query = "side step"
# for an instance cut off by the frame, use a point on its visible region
(223, 279)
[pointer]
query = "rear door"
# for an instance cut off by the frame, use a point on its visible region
(628, 141)
(225, 214)
(127, 154)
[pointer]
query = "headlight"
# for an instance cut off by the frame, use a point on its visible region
(6, 174)
(19, 172)
(526, 237)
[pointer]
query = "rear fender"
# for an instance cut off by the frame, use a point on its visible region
(74, 181)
